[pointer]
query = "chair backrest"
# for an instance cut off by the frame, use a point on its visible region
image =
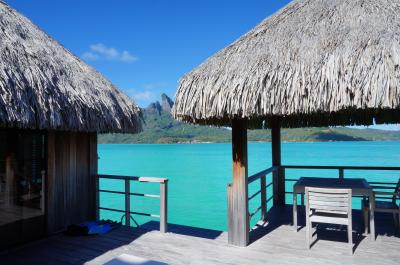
(387, 191)
(326, 200)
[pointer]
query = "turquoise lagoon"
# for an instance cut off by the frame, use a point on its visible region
(199, 173)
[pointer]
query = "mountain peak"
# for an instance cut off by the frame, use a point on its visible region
(157, 107)
(154, 107)
(166, 103)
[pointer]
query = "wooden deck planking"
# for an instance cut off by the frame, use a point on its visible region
(275, 242)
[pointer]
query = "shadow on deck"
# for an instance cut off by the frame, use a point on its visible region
(282, 216)
(275, 241)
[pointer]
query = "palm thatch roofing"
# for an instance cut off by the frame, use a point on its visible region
(313, 63)
(44, 86)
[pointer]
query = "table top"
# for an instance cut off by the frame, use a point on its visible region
(358, 186)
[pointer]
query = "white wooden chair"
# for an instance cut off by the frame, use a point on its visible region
(330, 206)
(385, 201)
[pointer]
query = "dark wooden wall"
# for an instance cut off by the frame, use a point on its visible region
(71, 179)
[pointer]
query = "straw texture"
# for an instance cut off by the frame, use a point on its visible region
(313, 63)
(44, 86)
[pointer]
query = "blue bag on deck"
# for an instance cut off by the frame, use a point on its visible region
(91, 228)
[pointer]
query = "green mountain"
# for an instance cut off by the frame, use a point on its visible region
(160, 127)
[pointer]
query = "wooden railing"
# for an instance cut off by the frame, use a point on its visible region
(341, 174)
(127, 193)
(262, 177)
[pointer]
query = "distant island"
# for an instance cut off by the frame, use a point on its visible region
(160, 127)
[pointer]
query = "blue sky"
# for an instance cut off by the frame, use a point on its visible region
(145, 46)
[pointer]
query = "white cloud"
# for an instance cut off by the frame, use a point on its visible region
(100, 51)
(89, 56)
(127, 57)
(143, 96)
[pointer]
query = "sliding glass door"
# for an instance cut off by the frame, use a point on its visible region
(22, 186)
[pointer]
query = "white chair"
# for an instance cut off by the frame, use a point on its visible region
(385, 201)
(329, 206)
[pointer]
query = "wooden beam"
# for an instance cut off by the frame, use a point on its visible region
(94, 199)
(50, 185)
(238, 231)
(279, 175)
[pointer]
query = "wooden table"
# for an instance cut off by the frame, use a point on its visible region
(359, 187)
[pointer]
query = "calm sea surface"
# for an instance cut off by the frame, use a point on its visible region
(199, 173)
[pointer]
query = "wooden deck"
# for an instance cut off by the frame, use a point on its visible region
(275, 242)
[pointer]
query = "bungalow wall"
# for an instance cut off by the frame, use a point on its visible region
(71, 179)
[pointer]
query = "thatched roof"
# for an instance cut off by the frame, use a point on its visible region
(44, 86)
(313, 63)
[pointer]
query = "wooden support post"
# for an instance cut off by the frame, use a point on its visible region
(51, 183)
(93, 177)
(263, 198)
(238, 231)
(279, 175)
(164, 206)
(127, 203)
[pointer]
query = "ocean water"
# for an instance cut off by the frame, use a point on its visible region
(199, 173)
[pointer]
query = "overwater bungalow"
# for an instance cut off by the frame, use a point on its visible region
(313, 63)
(52, 105)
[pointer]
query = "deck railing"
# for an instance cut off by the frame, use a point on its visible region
(262, 177)
(127, 193)
(262, 191)
(341, 174)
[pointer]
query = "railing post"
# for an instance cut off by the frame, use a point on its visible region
(164, 206)
(127, 202)
(263, 198)
(282, 177)
(97, 198)
(341, 173)
(230, 212)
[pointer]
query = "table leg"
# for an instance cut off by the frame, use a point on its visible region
(295, 210)
(372, 216)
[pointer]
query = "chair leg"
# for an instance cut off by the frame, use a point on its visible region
(398, 227)
(396, 223)
(350, 236)
(308, 233)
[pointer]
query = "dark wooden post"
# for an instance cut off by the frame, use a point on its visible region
(279, 175)
(127, 202)
(238, 233)
(341, 173)
(93, 176)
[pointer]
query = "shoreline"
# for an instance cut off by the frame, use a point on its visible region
(249, 142)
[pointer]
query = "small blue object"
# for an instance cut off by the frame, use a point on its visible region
(99, 229)
(92, 228)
